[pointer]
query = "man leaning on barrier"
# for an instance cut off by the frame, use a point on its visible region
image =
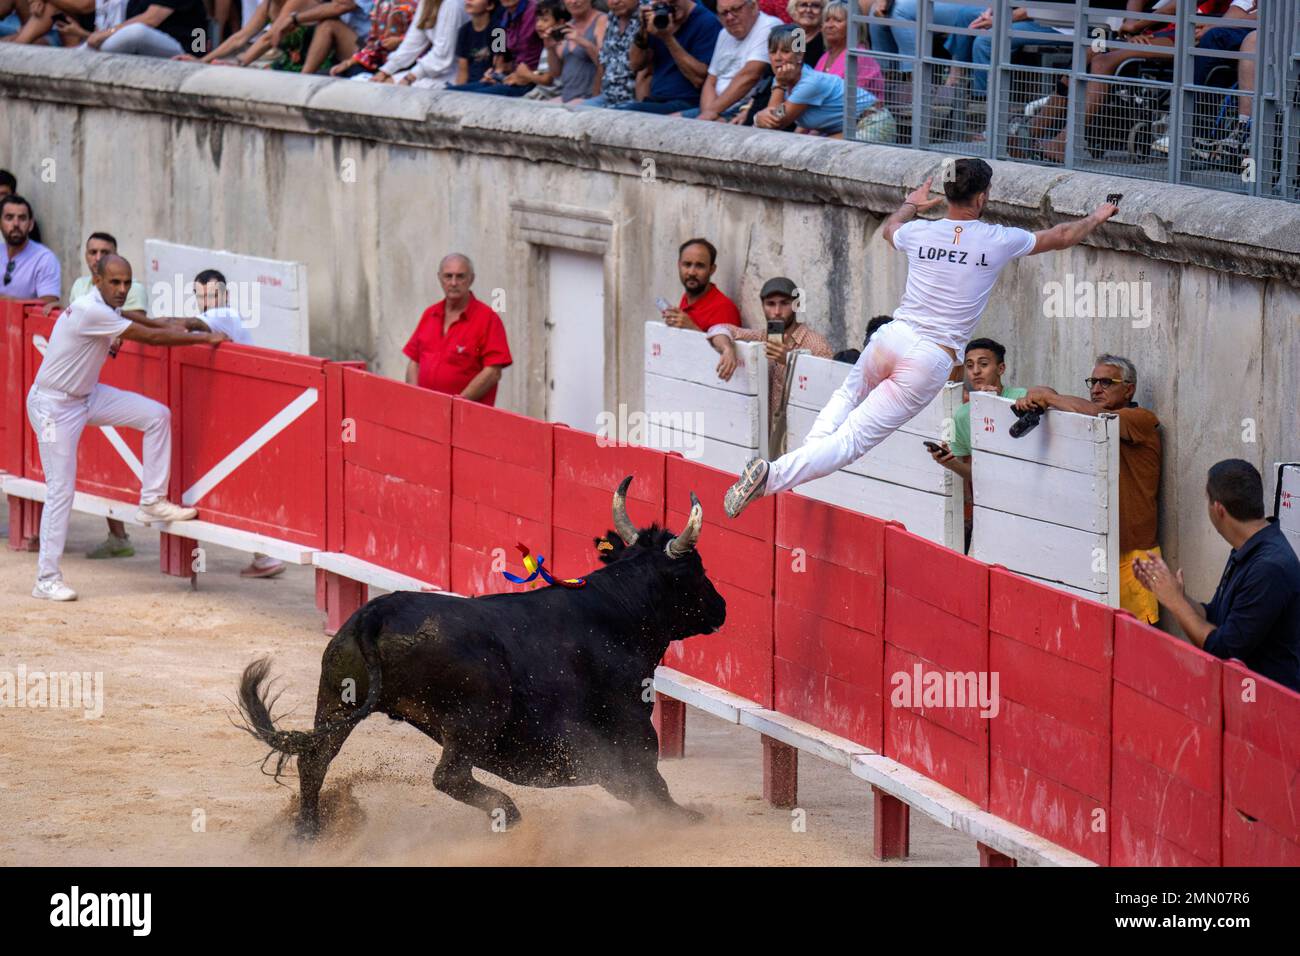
(1255, 612)
(1110, 388)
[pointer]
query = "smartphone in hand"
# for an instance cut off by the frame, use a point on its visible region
(775, 330)
(932, 448)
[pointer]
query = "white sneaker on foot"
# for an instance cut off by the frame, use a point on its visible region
(53, 591)
(164, 510)
(750, 485)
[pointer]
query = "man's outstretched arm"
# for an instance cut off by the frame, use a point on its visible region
(1066, 234)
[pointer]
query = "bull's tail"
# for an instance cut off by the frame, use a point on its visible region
(256, 702)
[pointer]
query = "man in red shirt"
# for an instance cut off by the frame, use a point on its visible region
(460, 345)
(703, 304)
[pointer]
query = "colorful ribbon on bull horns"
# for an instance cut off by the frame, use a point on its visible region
(535, 567)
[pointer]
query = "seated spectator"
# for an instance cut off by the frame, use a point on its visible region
(835, 32)
(31, 271)
(252, 41)
(575, 49)
(1055, 23)
(1111, 388)
(160, 28)
(703, 304)
(511, 70)
(617, 78)
(808, 19)
(985, 366)
(777, 297)
(460, 345)
(739, 60)
(427, 55)
(9, 186)
(1230, 147)
(1254, 615)
(902, 41)
(810, 101)
(42, 21)
(389, 21)
(677, 54)
(312, 36)
(474, 43)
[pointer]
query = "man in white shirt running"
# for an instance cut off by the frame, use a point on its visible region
(952, 265)
(67, 396)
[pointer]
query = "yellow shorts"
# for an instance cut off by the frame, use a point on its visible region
(1133, 597)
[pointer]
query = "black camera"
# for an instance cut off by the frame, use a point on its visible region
(661, 14)
(1026, 422)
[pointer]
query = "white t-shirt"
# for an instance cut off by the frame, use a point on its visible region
(951, 269)
(226, 319)
(79, 345)
(730, 55)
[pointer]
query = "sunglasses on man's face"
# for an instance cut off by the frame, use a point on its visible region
(1103, 382)
(9, 271)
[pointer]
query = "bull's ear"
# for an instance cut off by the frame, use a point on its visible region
(609, 547)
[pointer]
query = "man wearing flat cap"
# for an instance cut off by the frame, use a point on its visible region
(779, 297)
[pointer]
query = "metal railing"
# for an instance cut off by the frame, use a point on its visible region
(1066, 88)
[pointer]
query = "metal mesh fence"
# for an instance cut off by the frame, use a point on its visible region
(1207, 96)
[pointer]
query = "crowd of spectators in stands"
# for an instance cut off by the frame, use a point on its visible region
(716, 60)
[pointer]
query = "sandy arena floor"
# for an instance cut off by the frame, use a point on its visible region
(163, 778)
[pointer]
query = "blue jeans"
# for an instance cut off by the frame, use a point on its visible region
(662, 107)
(902, 40)
(495, 89)
(982, 50)
(1220, 38)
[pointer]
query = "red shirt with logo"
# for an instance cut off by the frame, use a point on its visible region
(712, 308)
(449, 359)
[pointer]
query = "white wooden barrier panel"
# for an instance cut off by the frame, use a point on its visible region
(1288, 502)
(270, 294)
(897, 480)
(1047, 503)
(692, 411)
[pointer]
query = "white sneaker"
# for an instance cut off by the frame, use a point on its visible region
(53, 591)
(164, 510)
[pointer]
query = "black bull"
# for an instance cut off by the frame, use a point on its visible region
(545, 688)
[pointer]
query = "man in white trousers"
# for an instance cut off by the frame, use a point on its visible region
(952, 265)
(67, 396)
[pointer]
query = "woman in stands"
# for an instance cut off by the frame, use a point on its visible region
(835, 32)
(389, 21)
(427, 55)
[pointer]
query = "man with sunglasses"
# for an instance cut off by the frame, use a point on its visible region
(1110, 392)
(31, 271)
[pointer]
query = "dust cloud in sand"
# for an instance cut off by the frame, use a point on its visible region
(163, 777)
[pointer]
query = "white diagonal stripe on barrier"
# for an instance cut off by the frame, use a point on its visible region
(249, 447)
(128, 456)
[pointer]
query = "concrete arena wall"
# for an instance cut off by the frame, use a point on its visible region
(369, 185)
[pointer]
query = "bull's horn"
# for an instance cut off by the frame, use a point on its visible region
(684, 543)
(622, 524)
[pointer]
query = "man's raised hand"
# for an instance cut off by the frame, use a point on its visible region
(921, 199)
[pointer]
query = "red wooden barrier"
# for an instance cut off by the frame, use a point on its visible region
(13, 398)
(249, 440)
(738, 556)
(1049, 768)
(1167, 738)
(390, 475)
(502, 477)
(108, 463)
(830, 607)
(586, 475)
(936, 619)
(1261, 785)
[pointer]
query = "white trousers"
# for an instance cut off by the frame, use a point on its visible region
(58, 422)
(897, 375)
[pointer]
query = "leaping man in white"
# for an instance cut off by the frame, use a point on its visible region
(67, 396)
(952, 265)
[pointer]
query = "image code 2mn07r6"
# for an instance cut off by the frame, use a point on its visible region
(921, 493)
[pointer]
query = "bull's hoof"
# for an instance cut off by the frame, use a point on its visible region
(306, 830)
(505, 817)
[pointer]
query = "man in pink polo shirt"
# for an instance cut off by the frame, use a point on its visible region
(460, 345)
